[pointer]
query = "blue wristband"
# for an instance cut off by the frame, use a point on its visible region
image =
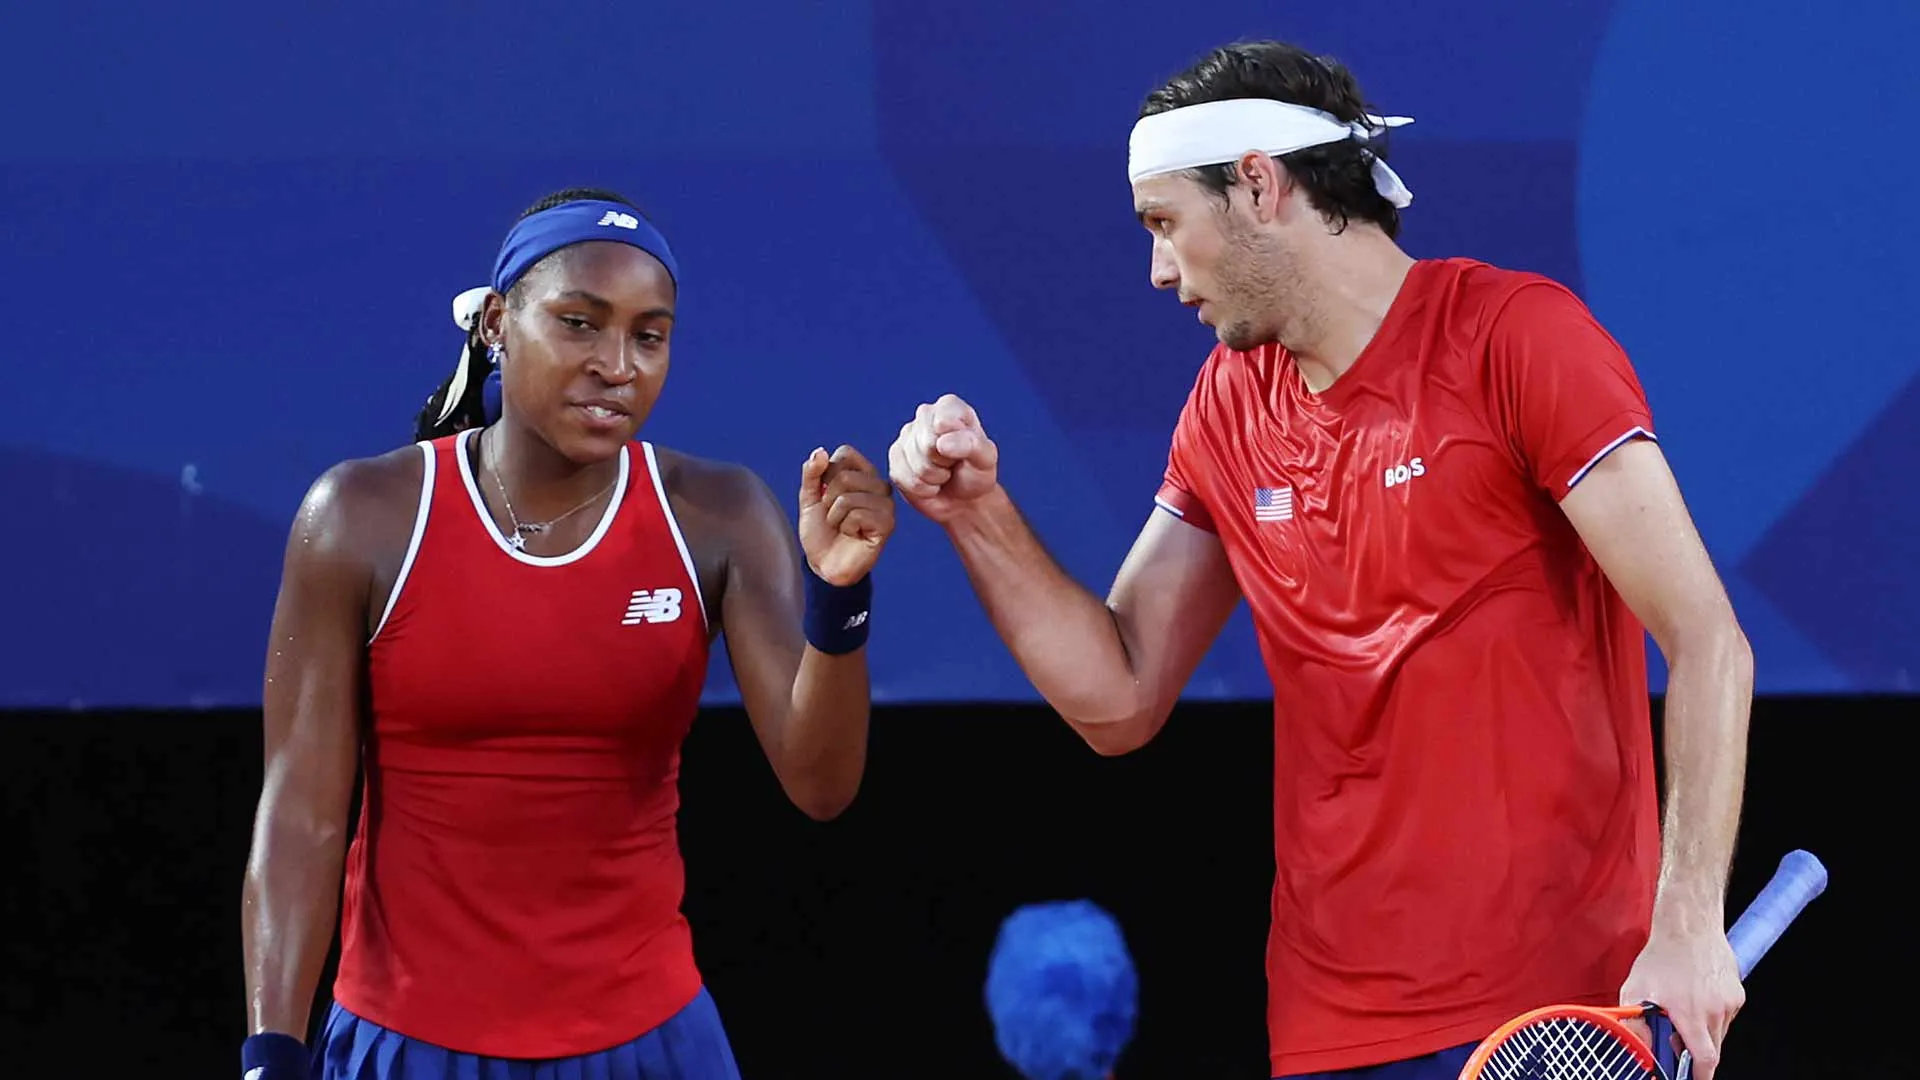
(837, 615)
(273, 1056)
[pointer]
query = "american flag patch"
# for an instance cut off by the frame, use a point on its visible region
(1272, 504)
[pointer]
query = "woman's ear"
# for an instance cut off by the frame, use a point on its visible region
(493, 316)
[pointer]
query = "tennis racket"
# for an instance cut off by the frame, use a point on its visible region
(1585, 1042)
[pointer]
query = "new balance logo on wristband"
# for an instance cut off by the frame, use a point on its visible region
(836, 615)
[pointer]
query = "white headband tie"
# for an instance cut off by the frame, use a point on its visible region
(1216, 132)
(466, 315)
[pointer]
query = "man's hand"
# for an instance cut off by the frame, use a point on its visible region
(1690, 971)
(943, 460)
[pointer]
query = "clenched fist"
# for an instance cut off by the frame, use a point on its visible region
(846, 514)
(943, 459)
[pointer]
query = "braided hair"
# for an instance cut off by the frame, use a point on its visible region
(470, 408)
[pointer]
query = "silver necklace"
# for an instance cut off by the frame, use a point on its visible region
(518, 538)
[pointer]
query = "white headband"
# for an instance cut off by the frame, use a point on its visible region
(1216, 132)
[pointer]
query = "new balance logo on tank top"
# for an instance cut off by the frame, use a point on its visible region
(1465, 815)
(514, 886)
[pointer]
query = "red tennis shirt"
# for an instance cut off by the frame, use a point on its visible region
(1465, 815)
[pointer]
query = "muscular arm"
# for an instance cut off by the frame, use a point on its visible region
(808, 708)
(311, 720)
(1112, 669)
(1629, 512)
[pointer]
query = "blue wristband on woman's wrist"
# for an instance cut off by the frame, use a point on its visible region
(271, 1055)
(837, 615)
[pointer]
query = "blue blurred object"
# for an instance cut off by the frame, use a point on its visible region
(1062, 991)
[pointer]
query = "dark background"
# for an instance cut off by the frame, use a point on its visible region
(857, 949)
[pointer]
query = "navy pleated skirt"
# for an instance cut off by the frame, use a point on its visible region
(690, 1046)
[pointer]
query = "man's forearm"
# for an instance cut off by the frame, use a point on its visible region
(1709, 696)
(1064, 637)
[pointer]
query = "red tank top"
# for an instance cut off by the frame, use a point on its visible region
(514, 886)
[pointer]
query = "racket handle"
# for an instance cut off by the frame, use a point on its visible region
(1799, 879)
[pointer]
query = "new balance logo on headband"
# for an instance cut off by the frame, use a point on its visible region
(625, 221)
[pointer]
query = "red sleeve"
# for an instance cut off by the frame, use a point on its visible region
(1179, 495)
(1563, 391)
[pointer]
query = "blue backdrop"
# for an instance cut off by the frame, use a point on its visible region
(232, 233)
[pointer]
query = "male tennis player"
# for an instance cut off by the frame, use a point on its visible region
(1436, 485)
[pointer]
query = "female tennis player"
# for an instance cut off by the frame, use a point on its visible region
(508, 627)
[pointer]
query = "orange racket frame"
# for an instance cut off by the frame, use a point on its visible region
(1800, 878)
(1611, 1019)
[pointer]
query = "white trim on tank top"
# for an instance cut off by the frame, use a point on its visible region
(413, 544)
(673, 523)
(486, 518)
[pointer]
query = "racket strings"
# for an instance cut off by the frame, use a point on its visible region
(1564, 1048)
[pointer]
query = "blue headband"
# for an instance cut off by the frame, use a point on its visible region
(1061, 991)
(539, 235)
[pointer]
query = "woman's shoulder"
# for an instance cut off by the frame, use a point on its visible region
(356, 504)
(362, 483)
(708, 483)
